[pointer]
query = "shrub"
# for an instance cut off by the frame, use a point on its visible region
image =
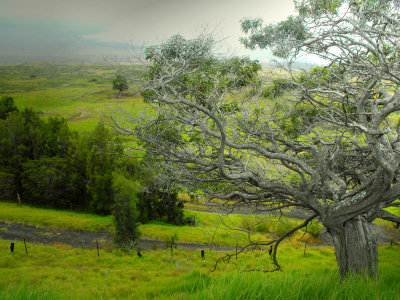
(281, 227)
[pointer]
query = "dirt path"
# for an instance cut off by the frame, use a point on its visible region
(80, 239)
(87, 239)
(33, 234)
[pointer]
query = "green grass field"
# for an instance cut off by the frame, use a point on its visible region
(59, 272)
(80, 93)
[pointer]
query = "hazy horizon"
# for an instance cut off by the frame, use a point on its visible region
(95, 31)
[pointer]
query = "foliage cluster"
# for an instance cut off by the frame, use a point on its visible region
(7, 105)
(120, 83)
(43, 162)
(46, 163)
(160, 205)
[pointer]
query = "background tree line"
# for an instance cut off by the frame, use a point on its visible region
(43, 162)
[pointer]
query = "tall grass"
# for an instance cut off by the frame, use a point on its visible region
(59, 272)
(25, 291)
(296, 285)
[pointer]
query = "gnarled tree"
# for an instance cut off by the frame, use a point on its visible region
(326, 140)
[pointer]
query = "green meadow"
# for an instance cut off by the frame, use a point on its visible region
(60, 272)
(80, 93)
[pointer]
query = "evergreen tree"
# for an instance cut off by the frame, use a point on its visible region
(7, 105)
(50, 181)
(100, 167)
(125, 211)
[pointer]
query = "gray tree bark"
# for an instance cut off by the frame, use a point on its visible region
(356, 248)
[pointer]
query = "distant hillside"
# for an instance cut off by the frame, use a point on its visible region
(82, 93)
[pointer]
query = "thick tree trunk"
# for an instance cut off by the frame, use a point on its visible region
(356, 248)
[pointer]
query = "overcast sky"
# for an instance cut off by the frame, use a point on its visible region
(89, 30)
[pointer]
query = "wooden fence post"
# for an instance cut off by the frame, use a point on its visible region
(26, 249)
(236, 249)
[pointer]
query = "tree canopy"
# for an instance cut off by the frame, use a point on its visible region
(326, 140)
(120, 84)
(7, 105)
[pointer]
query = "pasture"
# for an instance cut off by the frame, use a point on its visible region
(61, 272)
(80, 93)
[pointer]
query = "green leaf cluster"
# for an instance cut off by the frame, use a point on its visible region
(7, 106)
(192, 71)
(277, 36)
(120, 83)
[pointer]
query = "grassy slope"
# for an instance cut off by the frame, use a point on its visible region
(62, 219)
(58, 272)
